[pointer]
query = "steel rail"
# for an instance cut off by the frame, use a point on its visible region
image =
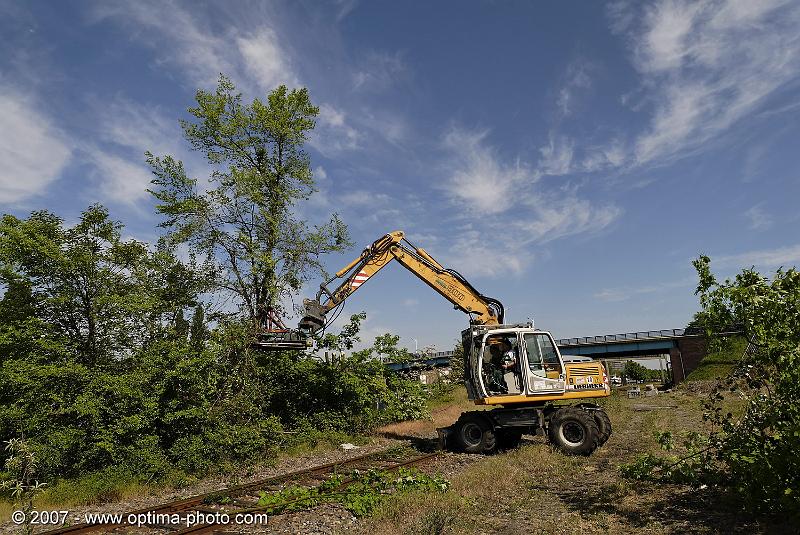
(211, 528)
(186, 504)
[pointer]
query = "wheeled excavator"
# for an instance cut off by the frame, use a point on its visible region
(514, 370)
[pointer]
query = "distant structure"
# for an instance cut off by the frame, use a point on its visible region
(683, 348)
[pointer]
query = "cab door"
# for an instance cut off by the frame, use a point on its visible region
(542, 366)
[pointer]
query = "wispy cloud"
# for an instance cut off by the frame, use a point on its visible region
(706, 65)
(759, 219)
(185, 39)
(479, 179)
(334, 134)
(32, 150)
(576, 79)
(128, 129)
(252, 51)
(120, 180)
(623, 293)
(782, 256)
(379, 71)
(264, 59)
(508, 199)
(478, 256)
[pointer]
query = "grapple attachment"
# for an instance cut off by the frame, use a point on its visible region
(283, 339)
(314, 319)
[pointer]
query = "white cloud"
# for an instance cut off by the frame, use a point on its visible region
(265, 61)
(759, 219)
(32, 152)
(333, 134)
(379, 71)
(556, 157)
(706, 65)
(256, 54)
(120, 180)
(184, 39)
(782, 256)
(624, 293)
(362, 197)
(477, 256)
(139, 127)
(575, 78)
(479, 180)
(556, 216)
(508, 205)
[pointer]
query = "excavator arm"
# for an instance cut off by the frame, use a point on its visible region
(449, 283)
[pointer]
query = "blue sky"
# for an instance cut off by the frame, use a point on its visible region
(570, 158)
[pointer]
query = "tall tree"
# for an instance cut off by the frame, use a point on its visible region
(244, 222)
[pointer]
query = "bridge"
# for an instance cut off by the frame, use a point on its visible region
(681, 349)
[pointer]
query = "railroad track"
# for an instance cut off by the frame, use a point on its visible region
(244, 499)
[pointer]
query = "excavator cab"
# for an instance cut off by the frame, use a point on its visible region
(538, 374)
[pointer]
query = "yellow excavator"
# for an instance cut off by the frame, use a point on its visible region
(514, 369)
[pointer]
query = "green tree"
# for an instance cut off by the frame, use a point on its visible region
(244, 222)
(385, 347)
(198, 333)
(85, 285)
(635, 371)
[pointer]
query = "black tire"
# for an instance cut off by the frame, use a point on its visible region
(474, 434)
(574, 431)
(508, 439)
(603, 426)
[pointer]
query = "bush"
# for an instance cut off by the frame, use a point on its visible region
(755, 456)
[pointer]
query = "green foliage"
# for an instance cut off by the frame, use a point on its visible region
(637, 372)
(753, 454)
(691, 466)
(21, 468)
(457, 364)
(243, 223)
(101, 370)
(91, 291)
(721, 361)
(360, 493)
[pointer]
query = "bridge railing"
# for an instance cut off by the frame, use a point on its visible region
(623, 337)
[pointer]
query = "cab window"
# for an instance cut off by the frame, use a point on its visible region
(534, 350)
(542, 356)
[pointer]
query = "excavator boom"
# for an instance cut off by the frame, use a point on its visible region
(448, 283)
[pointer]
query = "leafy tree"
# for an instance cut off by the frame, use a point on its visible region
(634, 370)
(244, 221)
(385, 347)
(334, 345)
(100, 294)
(21, 465)
(198, 333)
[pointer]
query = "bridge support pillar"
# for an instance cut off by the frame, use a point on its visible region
(676, 363)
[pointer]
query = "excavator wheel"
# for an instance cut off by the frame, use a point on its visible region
(474, 434)
(508, 439)
(603, 425)
(574, 431)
